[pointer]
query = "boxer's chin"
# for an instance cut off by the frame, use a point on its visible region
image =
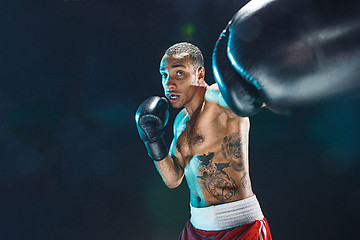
(176, 105)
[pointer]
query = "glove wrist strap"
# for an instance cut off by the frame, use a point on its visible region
(157, 150)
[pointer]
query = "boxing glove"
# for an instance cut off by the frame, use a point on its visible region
(295, 53)
(151, 118)
(241, 96)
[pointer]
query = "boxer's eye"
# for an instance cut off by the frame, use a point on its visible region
(180, 73)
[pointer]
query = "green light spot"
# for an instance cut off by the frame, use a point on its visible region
(188, 31)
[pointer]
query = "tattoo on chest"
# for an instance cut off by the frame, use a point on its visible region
(216, 181)
(231, 150)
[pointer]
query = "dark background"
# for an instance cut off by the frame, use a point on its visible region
(72, 74)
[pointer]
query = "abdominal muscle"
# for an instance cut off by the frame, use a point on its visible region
(214, 147)
(212, 181)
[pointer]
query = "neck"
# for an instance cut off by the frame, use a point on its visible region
(197, 101)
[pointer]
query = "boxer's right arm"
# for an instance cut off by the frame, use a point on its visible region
(171, 168)
(151, 118)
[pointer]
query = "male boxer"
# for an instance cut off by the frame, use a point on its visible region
(209, 149)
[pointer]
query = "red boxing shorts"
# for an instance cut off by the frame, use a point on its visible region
(242, 220)
(259, 230)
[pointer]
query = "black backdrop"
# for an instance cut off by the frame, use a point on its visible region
(72, 74)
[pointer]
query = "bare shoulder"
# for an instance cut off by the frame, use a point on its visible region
(180, 121)
(214, 86)
(213, 94)
(178, 127)
(180, 116)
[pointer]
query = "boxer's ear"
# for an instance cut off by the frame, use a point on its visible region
(201, 75)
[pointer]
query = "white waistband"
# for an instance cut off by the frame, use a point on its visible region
(227, 215)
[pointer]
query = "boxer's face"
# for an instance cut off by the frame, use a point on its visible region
(180, 79)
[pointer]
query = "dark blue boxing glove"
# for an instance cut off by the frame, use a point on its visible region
(151, 118)
(293, 53)
(241, 96)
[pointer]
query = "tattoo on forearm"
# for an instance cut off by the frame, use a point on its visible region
(231, 150)
(216, 181)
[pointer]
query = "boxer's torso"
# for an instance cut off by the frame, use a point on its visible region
(214, 155)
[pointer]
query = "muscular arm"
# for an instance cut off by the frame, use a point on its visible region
(170, 168)
(170, 171)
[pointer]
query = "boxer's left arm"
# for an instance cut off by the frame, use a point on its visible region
(213, 94)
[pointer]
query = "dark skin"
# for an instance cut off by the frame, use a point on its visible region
(210, 146)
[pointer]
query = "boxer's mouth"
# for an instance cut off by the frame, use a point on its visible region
(173, 96)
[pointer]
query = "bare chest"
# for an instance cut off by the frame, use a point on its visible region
(201, 134)
(194, 136)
